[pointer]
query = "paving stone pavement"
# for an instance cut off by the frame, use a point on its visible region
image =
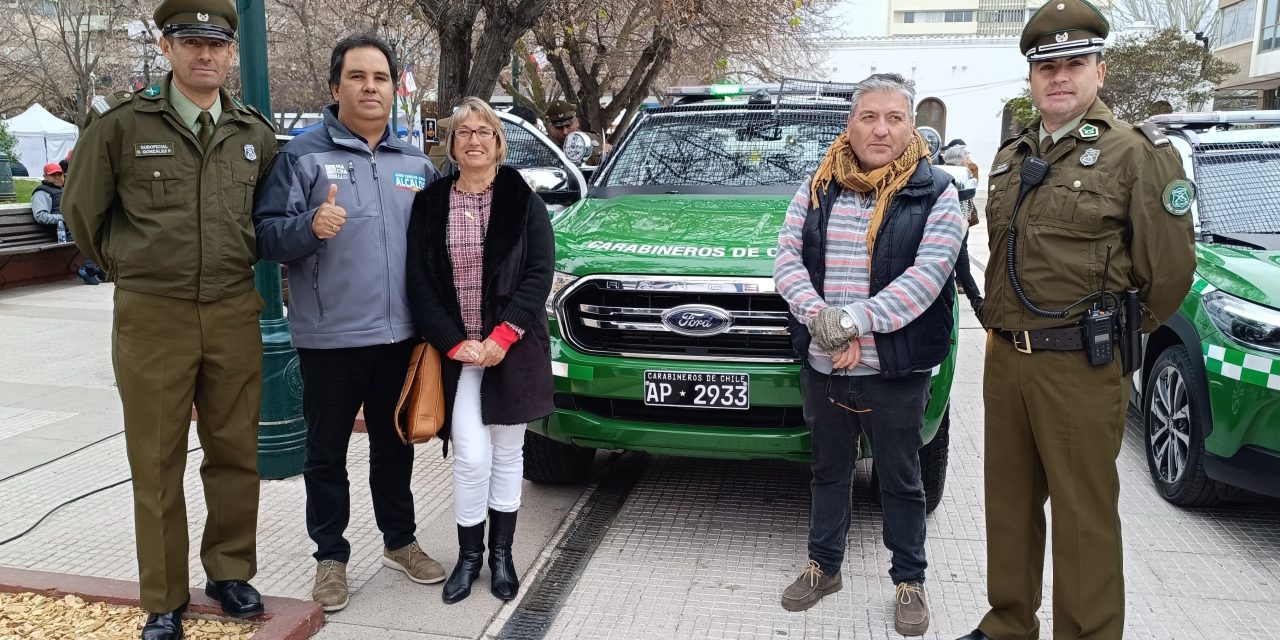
(703, 549)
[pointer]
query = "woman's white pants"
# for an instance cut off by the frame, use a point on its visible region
(488, 459)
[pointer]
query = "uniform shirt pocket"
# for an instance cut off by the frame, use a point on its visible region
(239, 192)
(1071, 200)
(158, 181)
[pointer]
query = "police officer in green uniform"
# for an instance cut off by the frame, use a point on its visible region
(162, 196)
(1110, 214)
(562, 120)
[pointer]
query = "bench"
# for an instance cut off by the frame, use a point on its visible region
(30, 252)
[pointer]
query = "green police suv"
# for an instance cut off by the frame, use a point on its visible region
(1210, 384)
(667, 334)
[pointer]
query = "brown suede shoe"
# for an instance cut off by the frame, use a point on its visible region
(330, 589)
(415, 562)
(809, 588)
(910, 609)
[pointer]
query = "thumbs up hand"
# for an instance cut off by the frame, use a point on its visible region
(329, 217)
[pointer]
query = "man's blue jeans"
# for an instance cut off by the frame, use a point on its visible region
(890, 412)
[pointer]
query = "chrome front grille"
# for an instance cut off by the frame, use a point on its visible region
(622, 315)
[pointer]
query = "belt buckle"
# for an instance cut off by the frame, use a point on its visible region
(1025, 345)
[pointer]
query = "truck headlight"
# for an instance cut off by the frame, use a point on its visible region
(1243, 321)
(559, 281)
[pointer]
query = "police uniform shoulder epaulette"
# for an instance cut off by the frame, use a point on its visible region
(102, 104)
(254, 110)
(1153, 134)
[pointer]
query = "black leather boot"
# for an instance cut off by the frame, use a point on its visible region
(976, 634)
(470, 560)
(502, 530)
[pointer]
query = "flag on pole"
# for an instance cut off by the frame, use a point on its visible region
(407, 85)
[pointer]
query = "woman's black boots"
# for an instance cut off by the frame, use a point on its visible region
(502, 530)
(470, 560)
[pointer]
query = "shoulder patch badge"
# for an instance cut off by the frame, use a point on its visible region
(1090, 157)
(1088, 131)
(1178, 196)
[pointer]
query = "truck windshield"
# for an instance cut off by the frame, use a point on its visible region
(725, 147)
(1236, 189)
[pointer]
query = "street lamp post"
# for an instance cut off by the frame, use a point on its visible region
(281, 430)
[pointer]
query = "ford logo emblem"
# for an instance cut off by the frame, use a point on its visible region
(697, 320)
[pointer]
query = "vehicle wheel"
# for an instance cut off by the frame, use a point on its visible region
(1174, 422)
(547, 461)
(933, 463)
(933, 466)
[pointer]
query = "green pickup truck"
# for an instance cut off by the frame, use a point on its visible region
(1210, 387)
(667, 334)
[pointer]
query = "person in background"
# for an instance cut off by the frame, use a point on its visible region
(479, 267)
(335, 207)
(958, 155)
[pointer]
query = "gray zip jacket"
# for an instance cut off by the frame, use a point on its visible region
(348, 291)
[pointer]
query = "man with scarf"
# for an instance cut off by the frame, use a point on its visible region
(865, 258)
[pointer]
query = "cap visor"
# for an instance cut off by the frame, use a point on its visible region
(202, 31)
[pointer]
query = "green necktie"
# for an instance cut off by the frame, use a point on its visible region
(205, 132)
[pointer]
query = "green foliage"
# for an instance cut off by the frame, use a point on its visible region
(8, 142)
(25, 188)
(1143, 73)
(1022, 108)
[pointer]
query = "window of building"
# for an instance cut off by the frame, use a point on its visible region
(928, 17)
(1236, 23)
(1270, 35)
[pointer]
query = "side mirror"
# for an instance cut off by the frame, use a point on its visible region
(545, 179)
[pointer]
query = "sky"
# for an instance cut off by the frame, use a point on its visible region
(861, 18)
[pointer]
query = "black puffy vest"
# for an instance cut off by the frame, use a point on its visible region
(55, 193)
(926, 341)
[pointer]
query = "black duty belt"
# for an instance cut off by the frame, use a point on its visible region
(1057, 339)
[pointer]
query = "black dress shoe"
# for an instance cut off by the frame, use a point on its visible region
(164, 626)
(976, 634)
(238, 598)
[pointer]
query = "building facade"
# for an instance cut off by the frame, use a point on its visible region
(1249, 37)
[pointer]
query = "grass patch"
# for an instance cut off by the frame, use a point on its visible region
(25, 187)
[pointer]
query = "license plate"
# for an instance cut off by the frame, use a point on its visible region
(697, 390)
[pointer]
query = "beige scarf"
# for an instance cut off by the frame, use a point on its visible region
(842, 166)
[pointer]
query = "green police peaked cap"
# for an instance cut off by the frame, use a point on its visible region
(561, 112)
(1063, 28)
(215, 19)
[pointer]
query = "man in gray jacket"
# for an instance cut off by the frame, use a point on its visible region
(335, 208)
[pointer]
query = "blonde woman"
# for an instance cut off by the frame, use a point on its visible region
(479, 270)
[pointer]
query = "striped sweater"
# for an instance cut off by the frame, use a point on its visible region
(848, 270)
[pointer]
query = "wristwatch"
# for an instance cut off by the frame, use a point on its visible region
(846, 323)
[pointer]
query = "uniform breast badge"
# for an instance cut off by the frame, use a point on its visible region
(1090, 157)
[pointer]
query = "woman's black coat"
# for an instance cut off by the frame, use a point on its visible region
(519, 251)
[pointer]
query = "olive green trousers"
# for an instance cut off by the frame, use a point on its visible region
(171, 354)
(1054, 424)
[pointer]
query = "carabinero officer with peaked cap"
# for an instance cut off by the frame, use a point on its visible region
(1091, 244)
(161, 196)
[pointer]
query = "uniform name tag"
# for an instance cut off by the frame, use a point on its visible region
(152, 149)
(1000, 168)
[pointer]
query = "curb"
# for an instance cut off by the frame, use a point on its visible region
(285, 619)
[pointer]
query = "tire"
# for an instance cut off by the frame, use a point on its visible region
(547, 461)
(933, 466)
(1174, 421)
(933, 463)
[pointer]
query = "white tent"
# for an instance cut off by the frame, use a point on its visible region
(42, 137)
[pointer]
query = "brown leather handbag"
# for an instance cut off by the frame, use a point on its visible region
(420, 411)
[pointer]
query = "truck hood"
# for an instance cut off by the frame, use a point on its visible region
(671, 234)
(1247, 273)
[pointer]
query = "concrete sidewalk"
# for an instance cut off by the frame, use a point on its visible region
(61, 436)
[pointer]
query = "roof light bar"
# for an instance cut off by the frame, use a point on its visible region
(1211, 118)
